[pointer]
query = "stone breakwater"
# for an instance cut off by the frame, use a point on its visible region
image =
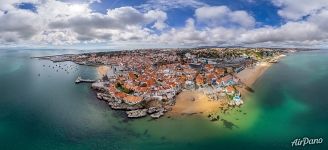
(80, 80)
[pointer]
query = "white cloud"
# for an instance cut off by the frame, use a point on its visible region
(292, 31)
(223, 16)
(170, 4)
(160, 18)
(57, 37)
(61, 23)
(186, 35)
(122, 23)
(297, 9)
(190, 35)
(18, 25)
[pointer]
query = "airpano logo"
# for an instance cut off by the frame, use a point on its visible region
(306, 141)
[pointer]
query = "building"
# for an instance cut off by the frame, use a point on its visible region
(132, 100)
(199, 80)
(230, 90)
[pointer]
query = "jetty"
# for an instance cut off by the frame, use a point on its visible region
(81, 80)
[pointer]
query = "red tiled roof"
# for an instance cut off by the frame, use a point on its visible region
(132, 99)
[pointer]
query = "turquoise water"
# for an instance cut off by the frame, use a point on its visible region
(41, 108)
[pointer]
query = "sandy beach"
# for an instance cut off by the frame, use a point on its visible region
(249, 75)
(102, 70)
(192, 102)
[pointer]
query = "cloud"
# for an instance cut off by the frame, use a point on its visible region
(186, 35)
(63, 23)
(191, 36)
(297, 9)
(170, 4)
(13, 31)
(292, 31)
(117, 24)
(223, 16)
(159, 16)
(297, 30)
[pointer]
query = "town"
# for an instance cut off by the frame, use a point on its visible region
(146, 82)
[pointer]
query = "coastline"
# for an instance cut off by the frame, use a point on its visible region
(193, 102)
(250, 75)
(136, 81)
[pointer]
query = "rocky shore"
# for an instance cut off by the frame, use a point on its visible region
(132, 111)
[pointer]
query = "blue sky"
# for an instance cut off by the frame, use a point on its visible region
(163, 23)
(262, 10)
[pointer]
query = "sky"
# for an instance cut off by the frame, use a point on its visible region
(129, 24)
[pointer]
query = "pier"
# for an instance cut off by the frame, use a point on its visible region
(80, 80)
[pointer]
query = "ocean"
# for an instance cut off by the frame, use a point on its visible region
(41, 108)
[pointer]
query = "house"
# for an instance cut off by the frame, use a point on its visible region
(219, 82)
(229, 70)
(209, 67)
(132, 100)
(227, 80)
(235, 80)
(219, 72)
(189, 84)
(132, 75)
(119, 95)
(237, 100)
(199, 80)
(230, 90)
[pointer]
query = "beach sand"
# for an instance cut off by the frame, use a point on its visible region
(193, 102)
(102, 70)
(249, 75)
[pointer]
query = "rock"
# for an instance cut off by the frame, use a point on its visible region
(99, 96)
(99, 86)
(157, 114)
(133, 107)
(214, 119)
(152, 110)
(118, 106)
(137, 113)
(106, 97)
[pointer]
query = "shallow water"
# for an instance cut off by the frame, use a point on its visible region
(41, 108)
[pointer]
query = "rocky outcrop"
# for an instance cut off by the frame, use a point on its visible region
(99, 86)
(133, 111)
(235, 103)
(156, 112)
(152, 110)
(137, 113)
